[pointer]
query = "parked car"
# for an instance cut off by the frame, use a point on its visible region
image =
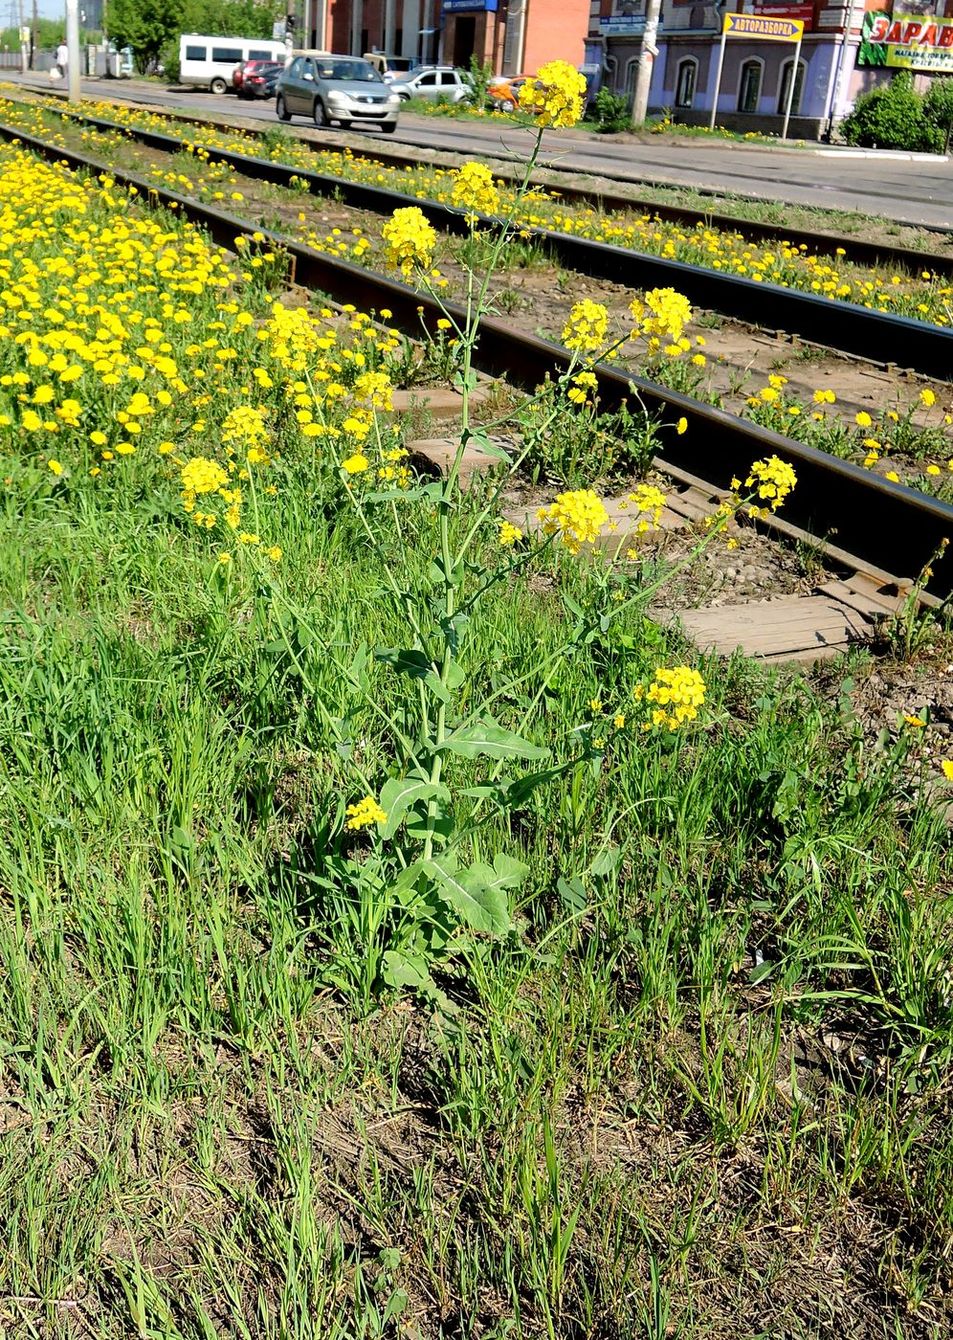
(503, 91)
(433, 82)
(391, 67)
(211, 61)
(257, 78)
(336, 88)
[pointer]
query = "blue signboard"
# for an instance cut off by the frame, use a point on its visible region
(469, 6)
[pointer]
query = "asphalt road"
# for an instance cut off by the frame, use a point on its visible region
(917, 192)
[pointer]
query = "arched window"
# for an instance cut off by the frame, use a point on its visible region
(749, 90)
(685, 81)
(612, 72)
(631, 70)
(785, 85)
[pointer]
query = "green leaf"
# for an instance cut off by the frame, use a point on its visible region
(399, 793)
(480, 903)
(487, 738)
(401, 970)
(405, 661)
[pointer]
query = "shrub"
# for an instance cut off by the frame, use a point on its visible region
(611, 112)
(892, 117)
(478, 77)
(938, 107)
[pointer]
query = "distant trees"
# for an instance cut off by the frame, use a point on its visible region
(151, 27)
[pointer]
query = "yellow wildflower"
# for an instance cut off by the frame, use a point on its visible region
(364, 813)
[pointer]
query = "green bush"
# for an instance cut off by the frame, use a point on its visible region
(938, 106)
(892, 117)
(611, 112)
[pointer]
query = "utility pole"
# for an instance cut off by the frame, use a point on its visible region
(647, 54)
(35, 25)
(72, 50)
(24, 36)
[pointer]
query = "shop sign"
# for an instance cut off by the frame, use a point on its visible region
(623, 25)
(907, 42)
(762, 27)
(803, 12)
(469, 6)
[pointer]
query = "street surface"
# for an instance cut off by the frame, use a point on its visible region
(908, 192)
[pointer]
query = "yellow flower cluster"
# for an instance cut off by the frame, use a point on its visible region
(474, 189)
(364, 813)
(773, 479)
(648, 501)
(128, 343)
(587, 329)
(555, 96)
(676, 693)
(663, 315)
(409, 240)
(577, 518)
(508, 534)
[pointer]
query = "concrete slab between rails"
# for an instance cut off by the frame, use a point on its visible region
(792, 628)
(838, 615)
(442, 403)
(434, 456)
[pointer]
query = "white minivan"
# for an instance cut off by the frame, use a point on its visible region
(209, 61)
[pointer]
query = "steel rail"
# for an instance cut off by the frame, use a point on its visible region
(845, 327)
(880, 525)
(856, 250)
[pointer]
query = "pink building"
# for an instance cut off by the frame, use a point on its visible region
(514, 36)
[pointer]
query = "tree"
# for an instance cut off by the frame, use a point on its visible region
(938, 107)
(892, 117)
(144, 26)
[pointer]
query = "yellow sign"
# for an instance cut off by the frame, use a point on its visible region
(763, 27)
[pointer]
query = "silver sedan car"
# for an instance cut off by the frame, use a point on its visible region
(336, 88)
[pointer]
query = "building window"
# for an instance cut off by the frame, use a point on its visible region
(685, 83)
(750, 88)
(631, 71)
(785, 86)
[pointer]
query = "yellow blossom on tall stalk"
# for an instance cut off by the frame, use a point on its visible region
(773, 479)
(555, 96)
(577, 517)
(475, 189)
(409, 240)
(587, 329)
(677, 694)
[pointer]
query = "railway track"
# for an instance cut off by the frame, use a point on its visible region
(858, 519)
(845, 327)
(855, 249)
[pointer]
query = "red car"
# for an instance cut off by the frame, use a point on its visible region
(256, 78)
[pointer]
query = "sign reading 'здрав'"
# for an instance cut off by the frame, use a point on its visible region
(907, 42)
(763, 26)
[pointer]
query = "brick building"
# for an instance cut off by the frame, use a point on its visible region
(514, 36)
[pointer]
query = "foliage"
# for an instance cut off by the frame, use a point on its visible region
(151, 28)
(892, 117)
(145, 26)
(611, 112)
(478, 78)
(938, 106)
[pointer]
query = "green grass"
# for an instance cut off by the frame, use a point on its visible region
(700, 1089)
